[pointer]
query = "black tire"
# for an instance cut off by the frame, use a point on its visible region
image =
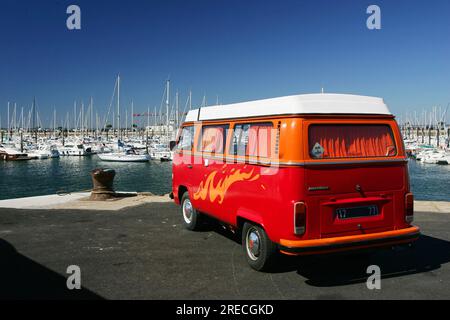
(262, 257)
(191, 217)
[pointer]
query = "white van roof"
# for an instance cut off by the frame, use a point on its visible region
(321, 103)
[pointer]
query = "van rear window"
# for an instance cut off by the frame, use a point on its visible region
(351, 141)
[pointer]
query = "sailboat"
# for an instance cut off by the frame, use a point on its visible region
(161, 151)
(124, 154)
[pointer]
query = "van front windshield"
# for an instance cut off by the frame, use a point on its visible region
(334, 141)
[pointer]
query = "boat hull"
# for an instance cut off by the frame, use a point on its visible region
(14, 157)
(123, 158)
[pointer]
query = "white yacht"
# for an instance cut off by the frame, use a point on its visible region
(435, 157)
(11, 154)
(126, 156)
(160, 152)
(44, 151)
(75, 150)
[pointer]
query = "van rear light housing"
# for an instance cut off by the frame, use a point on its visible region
(299, 218)
(409, 208)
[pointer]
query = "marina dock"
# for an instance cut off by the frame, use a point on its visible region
(141, 251)
(80, 201)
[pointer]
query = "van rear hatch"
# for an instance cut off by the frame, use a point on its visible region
(355, 179)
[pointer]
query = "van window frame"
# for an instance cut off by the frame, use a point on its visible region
(351, 123)
(230, 149)
(199, 147)
(178, 149)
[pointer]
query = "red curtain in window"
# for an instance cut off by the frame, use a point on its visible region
(352, 141)
(259, 141)
(212, 140)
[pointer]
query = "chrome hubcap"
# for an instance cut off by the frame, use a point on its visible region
(253, 243)
(187, 211)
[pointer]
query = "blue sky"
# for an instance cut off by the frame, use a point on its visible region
(238, 50)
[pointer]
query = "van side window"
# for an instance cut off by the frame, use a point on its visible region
(253, 139)
(213, 138)
(186, 140)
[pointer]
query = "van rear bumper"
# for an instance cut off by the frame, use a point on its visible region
(328, 245)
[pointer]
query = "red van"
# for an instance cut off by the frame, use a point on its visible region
(304, 174)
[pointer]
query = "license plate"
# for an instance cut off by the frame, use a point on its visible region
(357, 212)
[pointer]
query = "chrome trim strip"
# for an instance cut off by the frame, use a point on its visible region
(268, 162)
(353, 162)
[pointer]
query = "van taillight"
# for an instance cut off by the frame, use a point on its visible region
(409, 207)
(299, 218)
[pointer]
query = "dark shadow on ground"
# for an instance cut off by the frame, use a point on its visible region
(210, 224)
(425, 255)
(22, 278)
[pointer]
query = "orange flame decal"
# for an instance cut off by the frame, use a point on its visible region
(218, 191)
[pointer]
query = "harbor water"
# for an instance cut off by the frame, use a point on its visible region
(430, 182)
(70, 174)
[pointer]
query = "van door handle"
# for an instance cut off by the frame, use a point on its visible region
(189, 166)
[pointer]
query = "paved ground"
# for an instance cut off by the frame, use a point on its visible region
(143, 253)
(81, 201)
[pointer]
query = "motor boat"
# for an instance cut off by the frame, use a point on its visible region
(435, 157)
(37, 154)
(10, 154)
(43, 152)
(161, 152)
(126, 156)
(75, 150)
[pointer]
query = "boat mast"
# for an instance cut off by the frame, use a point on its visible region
(176, 111)
(82, 118)
(21, 115)
(54, 121)
(118, 105)
(132, 115)
(75, 115)
(8, 123)
(167, 107)
(190, 99)
(91, 119)
(15, 117)
(34, 120)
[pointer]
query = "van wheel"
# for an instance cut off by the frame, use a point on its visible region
(259, 250)
(191, 217)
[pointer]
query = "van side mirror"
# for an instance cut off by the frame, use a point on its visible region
(172, 145)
